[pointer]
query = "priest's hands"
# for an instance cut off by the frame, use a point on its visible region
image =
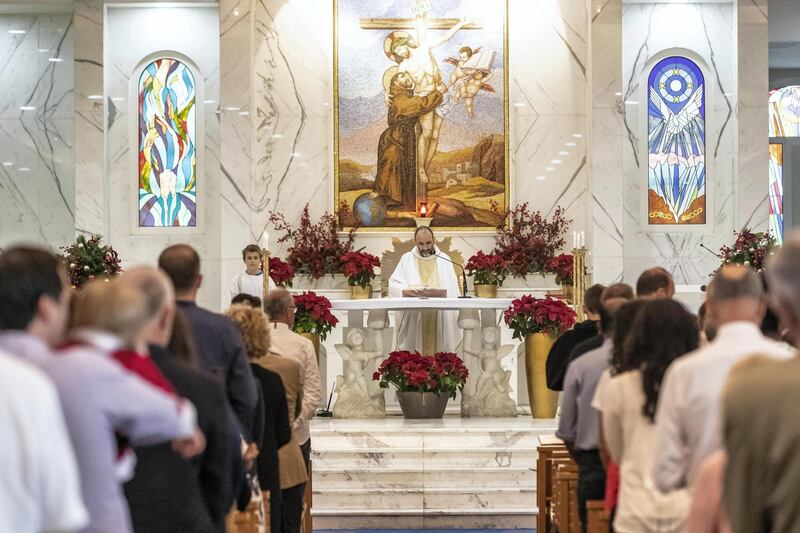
(424, 293)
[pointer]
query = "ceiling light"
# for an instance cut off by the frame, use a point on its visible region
(296, 154)
(232, 108)
(631, 102)
(550, 169)
(244, 113)
(24, 169)
(570, 144)
(44, 50)
(617, 94)
(26, 108)
(519, 104)
(209, 101)
(577, 135)
(277, 136)
(56, 60)
(8, 164)
(555, 161)
(117, 99)
(17, 32)
(540, 178)
(563, 153)
(95, 97)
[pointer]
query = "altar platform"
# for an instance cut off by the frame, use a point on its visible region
(393, 473)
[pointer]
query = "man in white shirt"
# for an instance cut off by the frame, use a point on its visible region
(688, 425)
(419, 270)
(251, 281)
(279, 306)
(40, 490)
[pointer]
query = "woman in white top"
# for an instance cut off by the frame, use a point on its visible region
(663, 331)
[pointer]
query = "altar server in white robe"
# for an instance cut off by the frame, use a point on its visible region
(424, 267)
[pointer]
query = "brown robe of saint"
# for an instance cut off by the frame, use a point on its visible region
(396, 179)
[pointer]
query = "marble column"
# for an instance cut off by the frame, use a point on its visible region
(605, 142)
(90, 212)
(753, 116)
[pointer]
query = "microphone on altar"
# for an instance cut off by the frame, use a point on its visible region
(463, 272)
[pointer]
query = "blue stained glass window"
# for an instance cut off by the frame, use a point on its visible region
(676, 143)
(167, 139)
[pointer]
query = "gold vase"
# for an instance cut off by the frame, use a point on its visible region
(543, 401)
(569, 292)
(314, 338)
(485, 291)
(360, 293)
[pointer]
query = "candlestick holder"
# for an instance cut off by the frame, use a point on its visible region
(579, 280)
(265, 270)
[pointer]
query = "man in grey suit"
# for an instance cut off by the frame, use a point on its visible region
(219, 343)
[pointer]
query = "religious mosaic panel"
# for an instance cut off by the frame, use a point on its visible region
(676, 143)
(167, 137)
(421, 112)
(776, 191)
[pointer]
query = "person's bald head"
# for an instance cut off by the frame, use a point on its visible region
(655, 283)
(279, 306)
(735, 295)
(159, 296)
(115, 308)
(784, 283)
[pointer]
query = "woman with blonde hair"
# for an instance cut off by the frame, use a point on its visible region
(281, 469)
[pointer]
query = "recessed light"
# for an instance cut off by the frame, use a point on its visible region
(563, 153)
(236, 12)
(56, 60)
(550, 169)
(95, 97)
(631, 102)
(232, 108)
(519, 104)
(209, 101)
(296, 154)
(570, 144)
(43, 50)
(277, 136)
(117, 99)
(540, 178)
(555, 161)
(617, 94)
(244, 113)
(26, 108)
(577, 135)
(17, 32)
(24, 169)
(8, 164)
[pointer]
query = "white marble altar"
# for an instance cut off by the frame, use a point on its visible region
(402, 474)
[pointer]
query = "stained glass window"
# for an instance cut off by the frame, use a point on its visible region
(167, 137)
(776, 191)
(784, 112)
(676, 143)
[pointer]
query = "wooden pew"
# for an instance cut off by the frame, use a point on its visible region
(308, 525)
(597, 518)
(550, 456)
(565, 507)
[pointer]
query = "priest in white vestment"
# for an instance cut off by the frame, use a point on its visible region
(424, 267)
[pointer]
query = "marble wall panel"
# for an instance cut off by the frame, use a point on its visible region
(36, 176)
(708, 32)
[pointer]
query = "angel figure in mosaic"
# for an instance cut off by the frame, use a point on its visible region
(471, 75)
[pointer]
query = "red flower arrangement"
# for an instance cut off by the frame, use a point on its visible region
(562, 266)
(413, 372)
(527, 239)
(88, 259)
(281, 272)
(359, 267)
(528, 315)
(313, 314)
(487, 269)
(749, 249)
(315, 248)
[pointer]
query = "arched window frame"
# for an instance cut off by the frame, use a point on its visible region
(644, 147)
(200, 174)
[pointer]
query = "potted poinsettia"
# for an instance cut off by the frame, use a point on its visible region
(359, 267)
(489, 271)
(313, 318)
(563, 267)
(281, 272)
(539, 321)
(424, 382)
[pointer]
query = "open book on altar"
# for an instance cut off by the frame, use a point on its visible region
(424, 293)
(480, 61)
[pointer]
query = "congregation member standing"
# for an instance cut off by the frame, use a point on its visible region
(291, 469)
(688, 415)
(761, 435)
(655, 284)
(662, 332)
(558, 358)
(218, 342)
(169, 493)
(280, 309)
(578, 425)
(615, 290)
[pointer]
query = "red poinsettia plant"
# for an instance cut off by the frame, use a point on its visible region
(487, 269)
(314, 247)
(413, 372)
(562, 266)
(750, 249)
(527, 315)
(527, 239)
(313, 314)
(88, 259)
(281, 272)
(359, 267)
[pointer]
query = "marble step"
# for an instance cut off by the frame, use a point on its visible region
(429, 519)
(350, 440)
(454, 500)
(479, 478)
(428, 459)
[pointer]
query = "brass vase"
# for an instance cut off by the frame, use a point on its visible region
(543, 401)
(569, 292)
(314, 338)
(360, 293)
(485, 291)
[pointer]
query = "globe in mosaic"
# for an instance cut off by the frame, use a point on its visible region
(370, 209)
